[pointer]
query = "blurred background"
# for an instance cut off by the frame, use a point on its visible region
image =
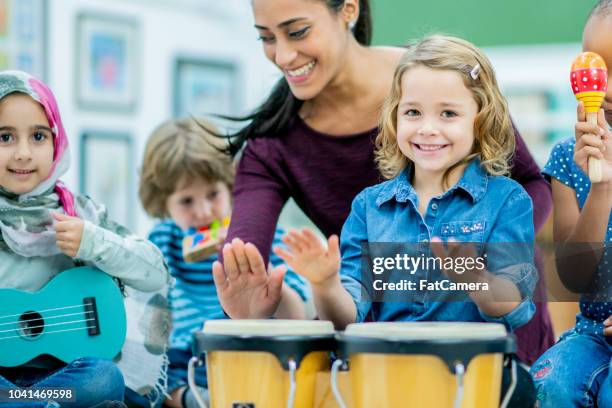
(120, 67)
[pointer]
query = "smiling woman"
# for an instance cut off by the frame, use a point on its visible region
(312, 140)
(297, 40)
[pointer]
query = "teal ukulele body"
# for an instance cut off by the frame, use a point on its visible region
(79, 313)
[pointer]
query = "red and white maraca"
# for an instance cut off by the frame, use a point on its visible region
(589, 78)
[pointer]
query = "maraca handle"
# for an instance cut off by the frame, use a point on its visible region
(594, 163)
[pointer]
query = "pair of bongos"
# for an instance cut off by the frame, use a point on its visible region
(274, 363)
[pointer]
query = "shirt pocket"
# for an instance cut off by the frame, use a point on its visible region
(464, 231)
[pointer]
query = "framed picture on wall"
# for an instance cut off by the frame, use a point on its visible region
(205, 87)
(23, 36)
(107, 62)
(106, 174)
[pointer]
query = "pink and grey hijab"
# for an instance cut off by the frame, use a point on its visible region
(25, 220)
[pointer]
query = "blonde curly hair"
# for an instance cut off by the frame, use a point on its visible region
(493, 129)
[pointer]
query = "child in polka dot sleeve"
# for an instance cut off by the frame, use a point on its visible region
(576, 371)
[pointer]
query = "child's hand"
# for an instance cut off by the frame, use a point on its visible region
(608, 326)
(308, 257)
(246, 289)
(593, 140)
(454, 249)
(68, 233)
(502, 295)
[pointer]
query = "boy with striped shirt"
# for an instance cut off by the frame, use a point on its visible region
(187, 181)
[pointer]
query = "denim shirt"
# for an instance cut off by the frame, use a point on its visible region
(480, 208)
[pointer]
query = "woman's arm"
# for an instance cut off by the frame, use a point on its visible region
(258, 198)
(245, 286)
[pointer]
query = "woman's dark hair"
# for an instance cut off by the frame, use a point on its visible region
(275, 113)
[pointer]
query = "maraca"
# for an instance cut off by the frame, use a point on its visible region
(589, 78)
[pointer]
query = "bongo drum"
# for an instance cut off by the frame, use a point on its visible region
(264, 363)
(424, 364)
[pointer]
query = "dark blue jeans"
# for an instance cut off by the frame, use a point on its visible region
(575, 372)
(177, 377)
(177, 370)
(92, 380)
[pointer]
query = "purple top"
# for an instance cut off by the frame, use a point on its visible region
(323, 174)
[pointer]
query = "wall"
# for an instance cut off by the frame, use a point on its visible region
(168, 28)
(485, 23)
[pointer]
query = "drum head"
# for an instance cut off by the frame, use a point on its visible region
(288, 340)
(426, 330)
(269, 327)
(451, 341)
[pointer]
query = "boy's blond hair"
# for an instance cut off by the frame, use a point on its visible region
(493, 130)
(180, 150)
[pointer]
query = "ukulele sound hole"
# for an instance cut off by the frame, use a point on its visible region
(31, 324)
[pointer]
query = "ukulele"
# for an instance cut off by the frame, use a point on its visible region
(79, 313)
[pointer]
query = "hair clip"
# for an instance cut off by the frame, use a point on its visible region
(475, 72)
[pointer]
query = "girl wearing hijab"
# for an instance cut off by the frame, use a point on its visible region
(46, 229)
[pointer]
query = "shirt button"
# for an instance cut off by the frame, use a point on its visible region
(434, 206)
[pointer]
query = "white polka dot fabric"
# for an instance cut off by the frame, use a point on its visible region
(594, 308)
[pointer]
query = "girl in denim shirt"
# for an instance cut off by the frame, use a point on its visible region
(445, 143)
(576, 371)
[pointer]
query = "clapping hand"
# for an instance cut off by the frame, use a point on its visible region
(246, 288)
(309, 257)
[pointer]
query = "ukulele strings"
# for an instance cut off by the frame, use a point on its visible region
(45, 318)
(44, 310)
(48, 325)
(49, 332)
(84, 313)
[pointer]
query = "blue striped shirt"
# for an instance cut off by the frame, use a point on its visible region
(193, 297)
